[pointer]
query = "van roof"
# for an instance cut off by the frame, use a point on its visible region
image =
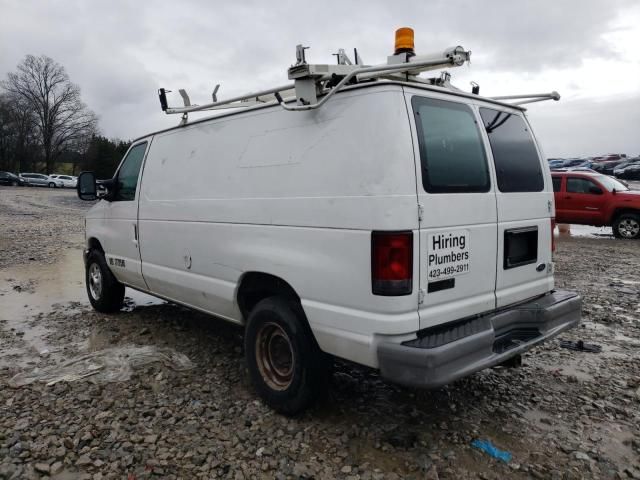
(448, 91)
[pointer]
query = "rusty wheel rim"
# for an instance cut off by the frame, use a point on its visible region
(274, 355)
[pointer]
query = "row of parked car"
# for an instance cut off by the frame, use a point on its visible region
(616, 165)
(38, 180)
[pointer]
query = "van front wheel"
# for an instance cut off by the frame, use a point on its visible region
(105, 293)
(286, 367)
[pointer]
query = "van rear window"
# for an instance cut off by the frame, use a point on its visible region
(451, 153)
(514, 152)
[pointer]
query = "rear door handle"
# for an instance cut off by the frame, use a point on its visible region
(135, 234)
(568, 197)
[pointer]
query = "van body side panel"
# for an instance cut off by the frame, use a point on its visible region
(469, 217)
(291, 194)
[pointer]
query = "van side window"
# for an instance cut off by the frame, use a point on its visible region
(127, 180)
(514, 152)
(582, 185)
(557, 183)
(451, 152)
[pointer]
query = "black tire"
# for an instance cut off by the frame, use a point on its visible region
(627, 226)
(52, 185)
(109, 296)
(306, 377)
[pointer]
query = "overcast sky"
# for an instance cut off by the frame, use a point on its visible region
(120, 52)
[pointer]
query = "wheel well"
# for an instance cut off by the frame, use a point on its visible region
(94, 244)
(622, 211)
(256, 286)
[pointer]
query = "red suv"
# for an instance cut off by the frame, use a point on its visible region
(592, 199)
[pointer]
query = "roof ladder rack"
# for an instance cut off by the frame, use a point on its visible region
(315, 84)
(530, 98)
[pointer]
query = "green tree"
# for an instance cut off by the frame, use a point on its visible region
(104, 155)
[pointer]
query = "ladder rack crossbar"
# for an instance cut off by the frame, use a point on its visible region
(373, 72)
(240, 98)
(538, 96)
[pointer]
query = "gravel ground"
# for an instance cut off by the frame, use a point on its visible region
(563, 414)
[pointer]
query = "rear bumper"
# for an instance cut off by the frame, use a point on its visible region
(448, 352)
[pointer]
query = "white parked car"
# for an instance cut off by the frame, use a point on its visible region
(67, 181)
(40, 180)
(397, 224)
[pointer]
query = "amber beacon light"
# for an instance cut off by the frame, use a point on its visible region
(404, 40)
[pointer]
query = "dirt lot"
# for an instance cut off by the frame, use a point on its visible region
(563, 414)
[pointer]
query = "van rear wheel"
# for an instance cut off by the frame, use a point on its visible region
(286, 367)
(627, 225)
(106, 294)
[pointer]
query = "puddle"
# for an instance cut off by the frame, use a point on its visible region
(612, 341)
(614, 441)
(569, 231)
(28, 292)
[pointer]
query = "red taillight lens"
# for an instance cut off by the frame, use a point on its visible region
(391, 263)
(553, 237)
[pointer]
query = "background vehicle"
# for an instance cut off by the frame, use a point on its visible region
(610, 157)
(607, 168)
(556, 163)
(629, 172)
(41, 180)
(574, 162)
(8, 178)
(68, 181)
(598, 200)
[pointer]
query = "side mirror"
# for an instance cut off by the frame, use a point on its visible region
(595, 191)
(87, 188)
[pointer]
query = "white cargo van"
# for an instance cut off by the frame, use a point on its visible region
(375, 216)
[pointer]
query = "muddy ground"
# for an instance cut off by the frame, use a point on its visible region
(563, 414)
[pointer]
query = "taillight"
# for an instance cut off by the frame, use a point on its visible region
(391, 263)
(553, 237)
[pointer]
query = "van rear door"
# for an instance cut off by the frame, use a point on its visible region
(459, 218)
(525, 206)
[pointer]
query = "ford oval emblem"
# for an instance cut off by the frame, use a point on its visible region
(541, 267)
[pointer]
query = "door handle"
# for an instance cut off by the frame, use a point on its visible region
(568, 197)
(135, 234)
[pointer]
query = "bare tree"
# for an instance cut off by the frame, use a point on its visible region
(18, 142)
(62, 119)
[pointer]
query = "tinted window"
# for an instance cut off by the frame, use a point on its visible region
(128, 173)
(557, 182)
(581, 185)
(63, 177)
(514, 152)
(451, 151)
